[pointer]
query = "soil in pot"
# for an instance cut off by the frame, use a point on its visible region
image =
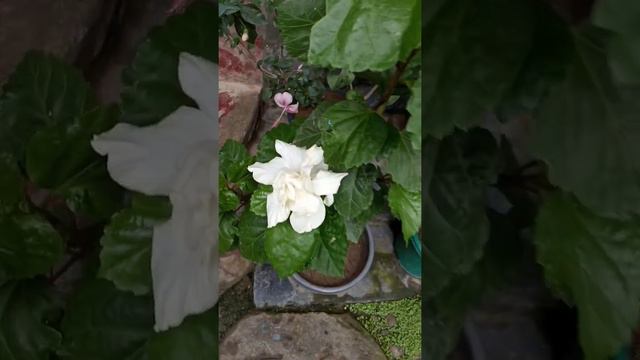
(355, 261)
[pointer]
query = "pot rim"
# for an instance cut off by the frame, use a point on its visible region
(337, 289)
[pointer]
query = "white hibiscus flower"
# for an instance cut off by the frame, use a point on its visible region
(300, 180)
(176, 157)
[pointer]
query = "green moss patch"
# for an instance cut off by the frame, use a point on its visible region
(394, 324)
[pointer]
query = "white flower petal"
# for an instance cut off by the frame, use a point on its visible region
(147, 159)
(327, 182)
(313, 157)
(277, 211)
(266, 173)
(199, 79)
(305, 222)
(306, 202)
(184, 261)
(292, 155)
(328, 200)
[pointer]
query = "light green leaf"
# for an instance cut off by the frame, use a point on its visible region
(332, 246)
(362, 35)
(228, 232)
(406, 206)
(592, 262)
(259, 200)
(352, 134)
(151, 87)
(462, 165)
(295, 19)
(251, 235)
(102, 323)
(356, 191)
(587, 132)
(462, 37)
(25, 332)
(405, 164)
(287, 251)
(196, 338)
(29, 245)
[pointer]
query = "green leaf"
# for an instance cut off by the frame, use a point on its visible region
(228, 232)
(259, 200)
(295, 19)
(355, 225)
(125, 257)
(154, 207)
(12, 187)
(332, 246)
(360, 35)
(151, 87)
(251, 235)
(309, 133)
(25, 332)
(102, 323)
(251, 14)
(57, 153)
(356, 191)
(404, 164)
(445, 313)
(234, 160)
(92, 192)
(586, 132)
(462, 38)
(352, 134)
(267, 145)
(228, 201)
(287, 251)
(462, 165)
(406, 206)
(29, 245)
(196, 338)
(340, 78)
(42, 92)
(544, 66)
(624, 50)
(414, 126)
(592, 262)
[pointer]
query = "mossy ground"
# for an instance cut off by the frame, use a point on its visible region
(394, 324)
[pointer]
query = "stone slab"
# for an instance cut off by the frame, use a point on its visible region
(385, 281)
(309, 336)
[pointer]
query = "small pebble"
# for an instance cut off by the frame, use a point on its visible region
(276, 337)
(396, 352)
(391, 320)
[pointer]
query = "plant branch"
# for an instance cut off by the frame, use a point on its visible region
(394, 79)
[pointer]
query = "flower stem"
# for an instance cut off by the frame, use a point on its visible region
(278, 119)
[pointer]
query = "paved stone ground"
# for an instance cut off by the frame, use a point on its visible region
(308, 336)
